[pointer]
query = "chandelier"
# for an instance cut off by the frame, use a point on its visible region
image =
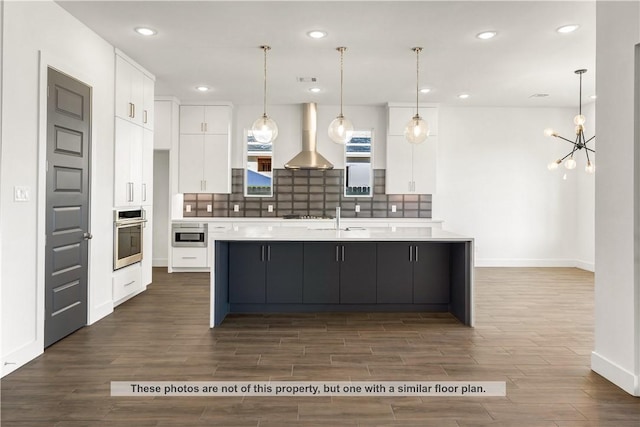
(579, 144)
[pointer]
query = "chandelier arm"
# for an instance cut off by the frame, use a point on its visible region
(589, 149)
(569, 154)
(590, 139)
(565, 139)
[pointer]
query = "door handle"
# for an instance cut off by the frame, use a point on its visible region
(144, 116)
(87, 236)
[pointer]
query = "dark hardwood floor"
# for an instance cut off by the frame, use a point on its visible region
(534, 331)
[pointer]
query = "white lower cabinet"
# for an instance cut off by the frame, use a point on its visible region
(127, 282)
(189, 258)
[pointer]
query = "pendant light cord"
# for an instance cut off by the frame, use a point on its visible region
(580, 101)
(417, 50)
(341, 50)
(265, 48)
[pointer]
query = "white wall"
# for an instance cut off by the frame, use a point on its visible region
(493, 184)
(616, 353)
(31, 29)
(586, 203)
(161, 208)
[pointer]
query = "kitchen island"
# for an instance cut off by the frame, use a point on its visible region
(295, 269)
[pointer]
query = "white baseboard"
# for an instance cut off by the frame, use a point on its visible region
(160, 262)
(616, 374)
(21, 357)
(524, 262)
(101, 311)
(584, 265)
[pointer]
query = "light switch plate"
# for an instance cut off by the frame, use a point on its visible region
(357, 208)
(270, 208)
(209, 209)
(188, 208)
(236, 208)
(21, 193)
(393, 208)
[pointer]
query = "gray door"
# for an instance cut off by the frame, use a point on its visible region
(67, 223)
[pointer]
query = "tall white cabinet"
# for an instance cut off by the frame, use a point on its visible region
(411, 168)
(133, 159)
(205, 149)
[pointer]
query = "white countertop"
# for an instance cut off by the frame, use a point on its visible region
(374, 234)
(267, 220)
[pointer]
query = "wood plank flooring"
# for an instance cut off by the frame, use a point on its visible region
(534, 331)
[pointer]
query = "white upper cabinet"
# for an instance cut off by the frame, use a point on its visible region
(205, 149)
(205, 119)
(134, 93)
(411, 168)
(400, 116)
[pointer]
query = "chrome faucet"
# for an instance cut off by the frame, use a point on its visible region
(337, 217)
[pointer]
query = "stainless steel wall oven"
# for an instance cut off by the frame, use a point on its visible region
(128, 228)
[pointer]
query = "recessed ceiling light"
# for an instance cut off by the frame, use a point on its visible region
(202, 88)
(539, 95)
(568, 28)
(315, 90)
(146, 31)
(317, 34)
(486, 35)
(425, 90)
(463, 96)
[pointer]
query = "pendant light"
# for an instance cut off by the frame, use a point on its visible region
(579, 143)
(341, 129)
(264, 129)
(417, 130)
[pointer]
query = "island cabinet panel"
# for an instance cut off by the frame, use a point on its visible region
(247, 272)
(395, 272)
(321, 283)
(265, 272)
(357, 273)
(431, 273)
(284, 272)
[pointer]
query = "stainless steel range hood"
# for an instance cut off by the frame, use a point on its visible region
(309, 158)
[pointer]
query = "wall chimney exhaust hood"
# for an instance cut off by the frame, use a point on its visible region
(309, 158)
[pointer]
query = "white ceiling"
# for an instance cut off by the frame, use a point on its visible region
(216, 43)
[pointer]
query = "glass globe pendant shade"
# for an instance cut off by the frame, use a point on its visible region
(264, 129)
(340, 130)
(570, 163)
(590, 167)
(579, 119)
(416, 130)
(550, 132)
(553, 165)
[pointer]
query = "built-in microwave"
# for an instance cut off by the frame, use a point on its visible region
(128, 229)
(189, 234)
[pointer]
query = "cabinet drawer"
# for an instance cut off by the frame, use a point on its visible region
(189, 257)
(126, 281)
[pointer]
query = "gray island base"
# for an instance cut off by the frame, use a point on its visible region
(287, 270)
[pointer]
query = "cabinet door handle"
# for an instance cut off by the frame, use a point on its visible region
(133, 109)
(144, 192)
(416, 253)
(188, 257)
(268, 252)
(409, 186)
(129, 284)
(201, 127)
(205, 185)
(342, 252)
(144, 116)
(337, 253)
(130, 110)
(410, 253)
(206, 127)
